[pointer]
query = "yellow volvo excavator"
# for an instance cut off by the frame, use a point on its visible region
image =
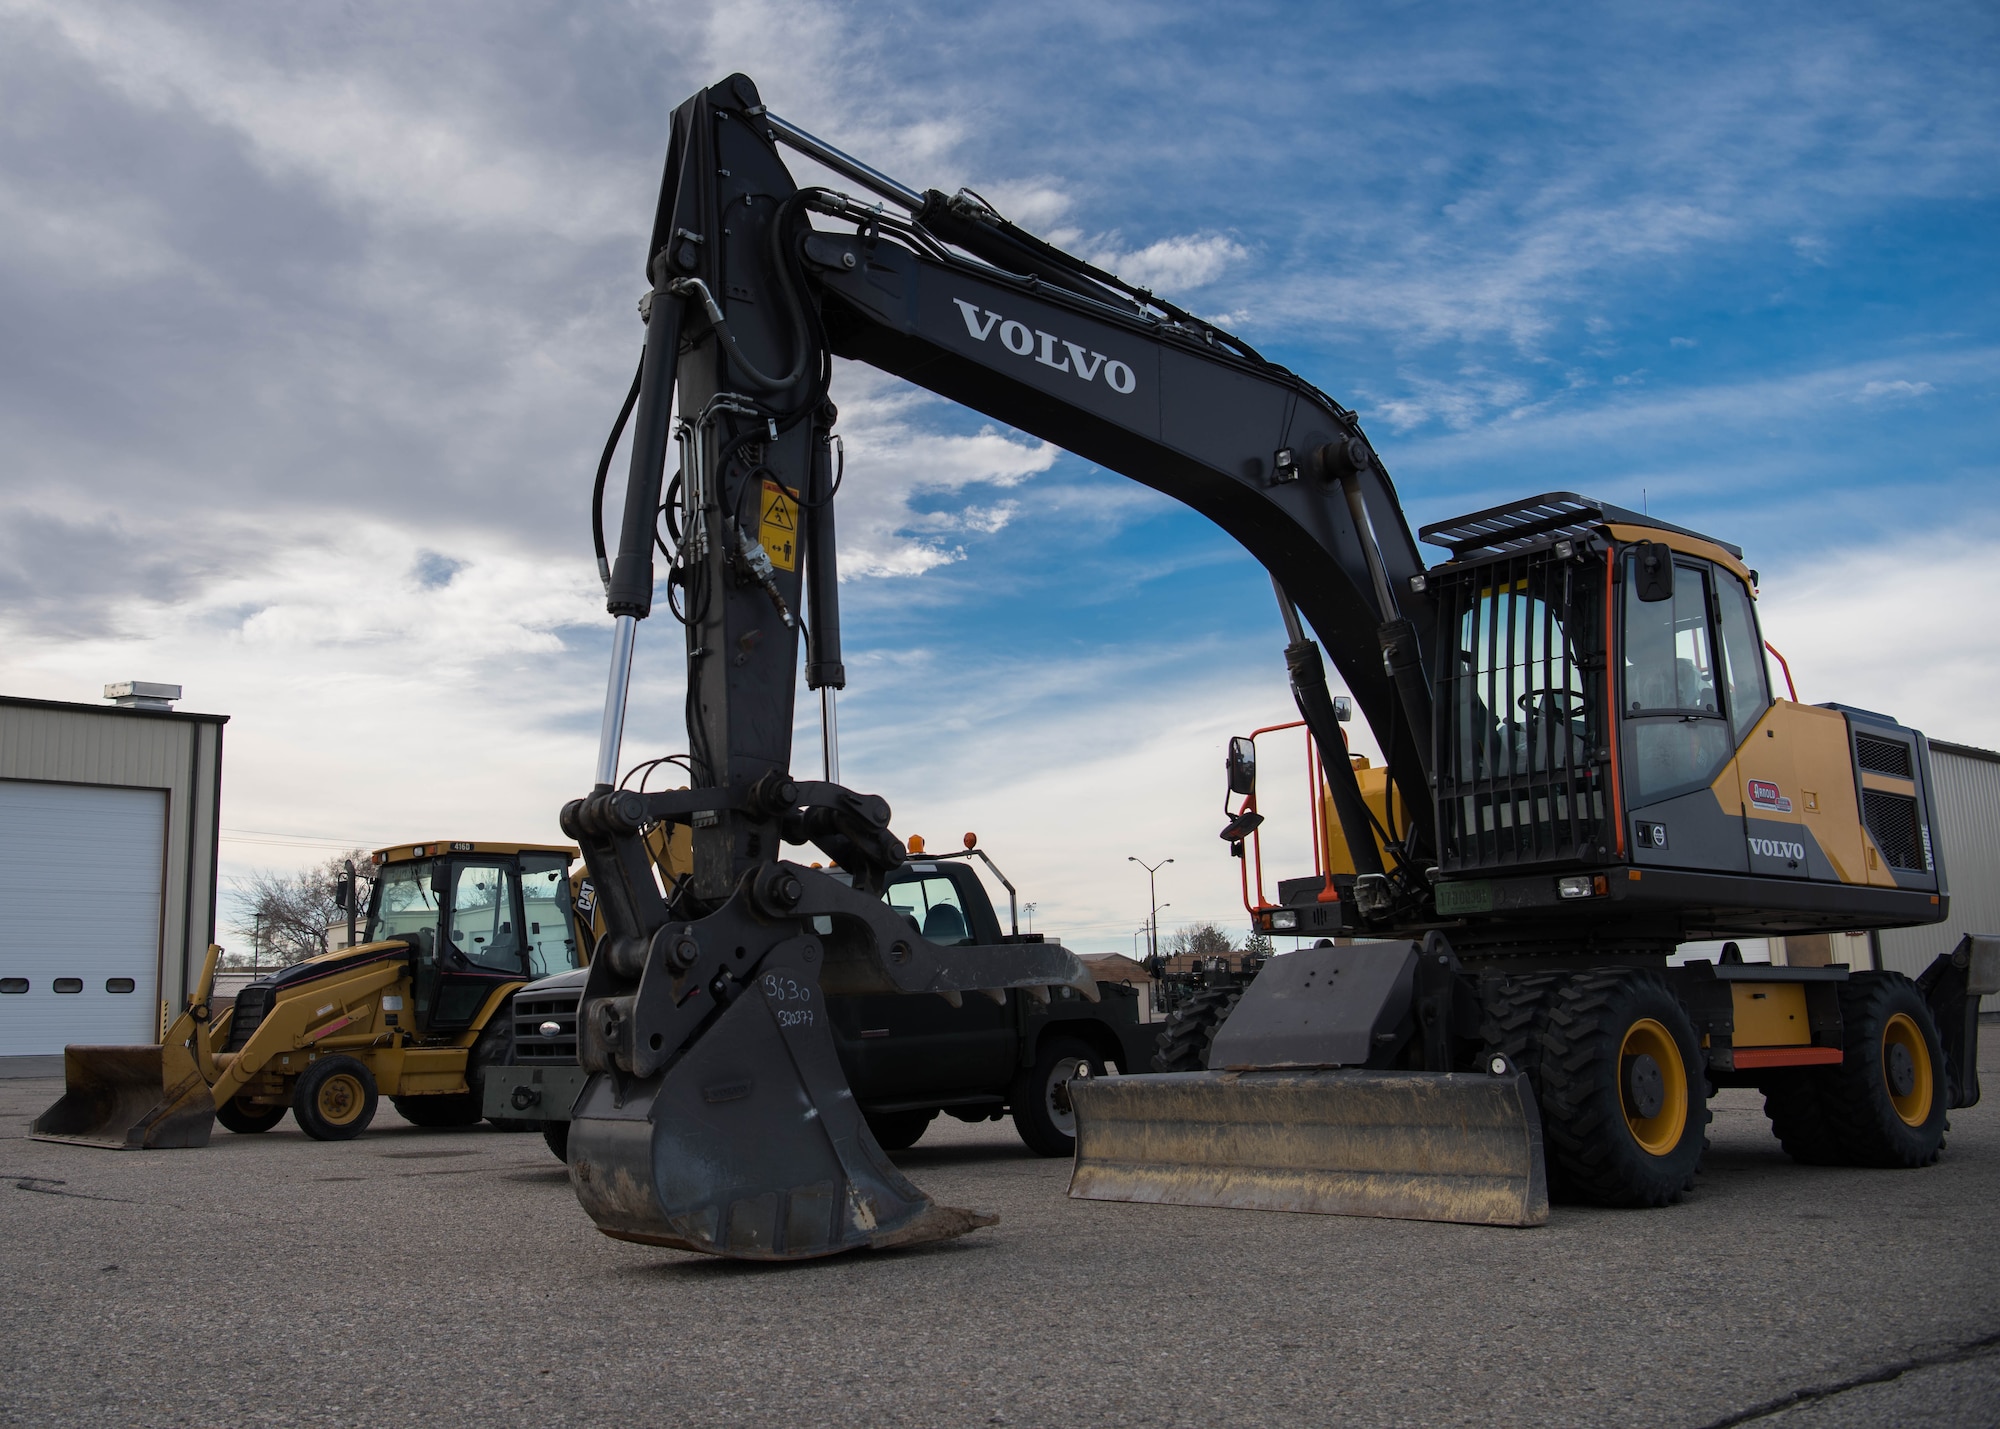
(416, 1013)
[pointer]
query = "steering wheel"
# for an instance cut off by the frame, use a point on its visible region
(1568, 704)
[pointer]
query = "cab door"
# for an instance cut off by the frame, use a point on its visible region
(1679, 748)
(481, 946)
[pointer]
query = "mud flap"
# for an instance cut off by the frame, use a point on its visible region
(1427, 1146)
(130, 1098)
(750, 1145)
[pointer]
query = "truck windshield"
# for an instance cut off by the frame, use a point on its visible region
(545, 904)
(403, 902)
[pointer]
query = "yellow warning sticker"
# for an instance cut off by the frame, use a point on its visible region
(778, 527)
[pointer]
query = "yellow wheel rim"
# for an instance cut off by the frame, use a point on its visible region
(340, 1098)
(1661, 1132)
(1914, 1107)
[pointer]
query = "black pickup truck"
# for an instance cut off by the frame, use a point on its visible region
(907, 1058)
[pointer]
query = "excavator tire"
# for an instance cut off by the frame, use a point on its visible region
(335, 1099)
(1624, 1092)
(1190, 1030)
(1797, 1110)
(247, 1120)
(899, 1130)
(1513, 1014)
(451, 1109)
(1886, 1103)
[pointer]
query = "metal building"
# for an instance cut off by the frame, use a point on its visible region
(1966, 811)
(108, 842)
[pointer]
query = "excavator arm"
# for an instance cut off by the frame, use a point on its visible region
(715, 1117)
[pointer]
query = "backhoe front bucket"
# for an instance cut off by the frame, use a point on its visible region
(1423, 1146)
(129, 1098)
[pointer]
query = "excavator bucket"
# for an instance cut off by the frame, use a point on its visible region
(1420, 1146)
(1295, 1121)
(129, 1098)
(133, 1098)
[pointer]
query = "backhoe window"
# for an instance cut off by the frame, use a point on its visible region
(933, 908)
(482, 916)
(1673, 709)
(403, 902)
(545, 904)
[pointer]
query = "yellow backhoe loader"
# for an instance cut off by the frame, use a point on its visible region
(416, 1012)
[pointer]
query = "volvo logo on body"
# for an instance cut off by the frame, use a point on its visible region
(1046, 348)
(1778, 848)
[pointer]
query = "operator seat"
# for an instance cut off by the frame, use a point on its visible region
(945, 925)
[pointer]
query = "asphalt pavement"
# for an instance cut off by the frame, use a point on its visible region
(443, 1278)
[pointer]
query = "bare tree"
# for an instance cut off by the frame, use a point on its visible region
(284, 916)
(1201, 940)
(1258, 945)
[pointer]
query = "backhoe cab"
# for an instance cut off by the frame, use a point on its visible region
(415, 1013)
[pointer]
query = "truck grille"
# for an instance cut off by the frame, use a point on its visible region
(1892, 823)
(530, 1045)
(251, 1005)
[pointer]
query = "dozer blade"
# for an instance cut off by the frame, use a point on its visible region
(751, 1144)
(1408, 1145)
(130, 1098)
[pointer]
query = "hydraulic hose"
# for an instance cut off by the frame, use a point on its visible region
(604, 472)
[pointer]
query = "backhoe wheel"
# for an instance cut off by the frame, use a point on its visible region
(450, 1109)
(1625, 1094)
(899, 1130)
(1190, 1029)
(248, 1120)
(335, 1099)
(1886, 1101)
(556, 1134)
(1042, 1113)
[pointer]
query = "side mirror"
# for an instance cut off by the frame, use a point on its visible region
(1343, 709)
(1653, 570)
(343, 892)
(1242, 766)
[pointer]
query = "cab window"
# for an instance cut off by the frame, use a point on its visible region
(482, 916)
(545, 906)
(403, 903)
(932, 905)
(1676, 732)
(1742, 657)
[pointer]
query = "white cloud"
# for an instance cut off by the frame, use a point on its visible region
(1898, 390)
(1170, 265)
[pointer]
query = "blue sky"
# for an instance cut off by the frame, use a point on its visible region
(317, 319)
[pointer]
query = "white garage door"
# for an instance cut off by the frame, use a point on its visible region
(79, 915)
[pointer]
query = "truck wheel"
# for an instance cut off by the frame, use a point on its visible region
(1886, 1101)
(1190, 1030)
(451, 1109)
(1513, 1014)
(1625, 1094)
(899, 1130)
(1796, 1106)
(247, 1120)
(1041, 1098)
(335, 1099)
(556, 1134)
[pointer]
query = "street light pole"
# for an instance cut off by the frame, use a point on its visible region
(1153, 896)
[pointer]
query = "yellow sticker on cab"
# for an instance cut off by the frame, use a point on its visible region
(778, 527)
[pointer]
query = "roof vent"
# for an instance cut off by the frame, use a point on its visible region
(142, 695)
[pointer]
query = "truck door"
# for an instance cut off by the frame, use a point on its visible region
(481, 946)
(909, 1048)
(1679, 749)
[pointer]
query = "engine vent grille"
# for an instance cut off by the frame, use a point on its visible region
(531, 1045)
(1892, 823)
(1883, 756)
